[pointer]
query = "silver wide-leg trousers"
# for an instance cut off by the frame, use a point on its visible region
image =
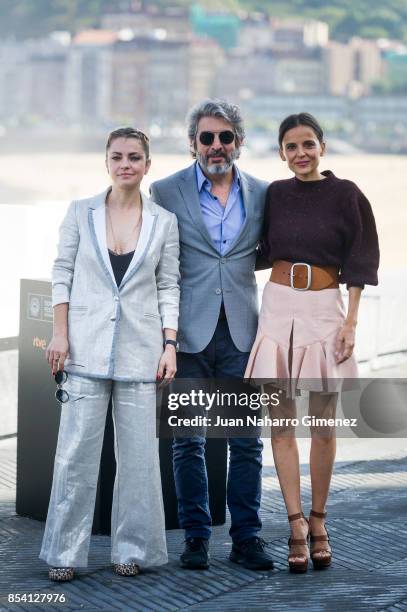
(138, 527)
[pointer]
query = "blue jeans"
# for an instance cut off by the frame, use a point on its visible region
(220, 359)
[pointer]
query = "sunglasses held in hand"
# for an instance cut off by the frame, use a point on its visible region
(61, 395)
(226, 137)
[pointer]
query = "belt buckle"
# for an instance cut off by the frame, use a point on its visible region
(309, 276)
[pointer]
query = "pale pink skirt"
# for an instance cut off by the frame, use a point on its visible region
(313, 319)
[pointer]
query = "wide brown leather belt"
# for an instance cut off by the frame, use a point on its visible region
(303, 276)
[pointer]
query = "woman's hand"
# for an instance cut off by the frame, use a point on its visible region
(57, 352)
(167, 366)
(345, 342)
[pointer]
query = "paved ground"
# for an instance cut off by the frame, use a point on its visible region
(368, 528)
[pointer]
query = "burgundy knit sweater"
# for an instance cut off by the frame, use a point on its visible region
(327, 222)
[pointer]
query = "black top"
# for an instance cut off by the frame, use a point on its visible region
(323, 223)
(120, 263)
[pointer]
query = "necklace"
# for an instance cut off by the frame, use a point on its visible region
(120, 250)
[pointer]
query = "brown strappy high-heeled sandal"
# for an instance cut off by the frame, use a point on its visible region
(326, 560)
(298, 567)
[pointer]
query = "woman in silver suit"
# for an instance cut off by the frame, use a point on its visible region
(115, 288)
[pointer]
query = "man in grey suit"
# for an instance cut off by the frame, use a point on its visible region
(220, 214)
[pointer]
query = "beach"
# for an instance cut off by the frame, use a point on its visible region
(58, 178)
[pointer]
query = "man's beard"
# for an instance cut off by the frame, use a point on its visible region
(219, 168)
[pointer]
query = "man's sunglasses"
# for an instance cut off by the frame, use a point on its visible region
(61, 395)
(226, 137)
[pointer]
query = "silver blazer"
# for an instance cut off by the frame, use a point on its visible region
(116, 332)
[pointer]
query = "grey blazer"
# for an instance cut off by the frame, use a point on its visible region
(116, 332)
(206, 277)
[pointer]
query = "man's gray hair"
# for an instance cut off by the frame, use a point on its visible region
(219, 109)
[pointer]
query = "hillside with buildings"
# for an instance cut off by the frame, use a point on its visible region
(346, 18)
(148, 65)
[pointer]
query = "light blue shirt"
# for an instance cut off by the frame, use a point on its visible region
(223, 222)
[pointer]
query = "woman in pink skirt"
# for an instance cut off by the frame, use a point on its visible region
(319, 231)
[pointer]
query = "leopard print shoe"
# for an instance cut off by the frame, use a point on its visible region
(126, 569)
(60, 574)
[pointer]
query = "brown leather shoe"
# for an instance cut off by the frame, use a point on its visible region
(301, 565)
(318, 561)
